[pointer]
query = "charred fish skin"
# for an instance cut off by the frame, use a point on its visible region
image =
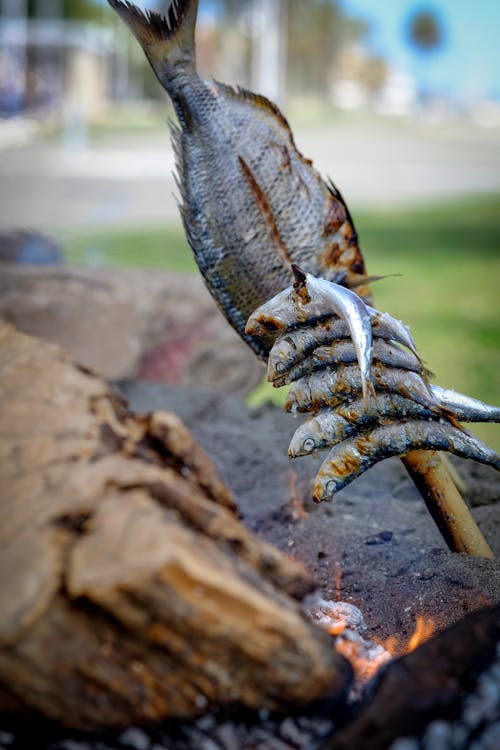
(311, 299)
(332, 387)
(352, 457)
(294, 345)
(343, 352)
(252, 205)
(328, 428)
(466, 408)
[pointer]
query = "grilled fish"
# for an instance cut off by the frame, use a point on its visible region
(250, 200)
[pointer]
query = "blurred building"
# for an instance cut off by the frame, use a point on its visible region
(50, 65)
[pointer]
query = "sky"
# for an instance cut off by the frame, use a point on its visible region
(468, 64)
(467, 67)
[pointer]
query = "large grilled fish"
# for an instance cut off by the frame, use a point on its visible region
(252, 205)
(254, 210)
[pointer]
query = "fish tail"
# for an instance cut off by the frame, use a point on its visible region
(167, 40)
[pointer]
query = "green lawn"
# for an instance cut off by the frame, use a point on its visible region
(449, 258)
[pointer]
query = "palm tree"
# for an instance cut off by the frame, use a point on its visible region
(425, 34)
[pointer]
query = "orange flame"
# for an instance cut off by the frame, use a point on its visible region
(298, 510)
(424, 629)
(365, 663)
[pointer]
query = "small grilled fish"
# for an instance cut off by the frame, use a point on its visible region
(466, 408)
(293, 346)
(312, 298)
(250, 200)
(330, 388)
(328, 428)
(343, 352)
(355, 455)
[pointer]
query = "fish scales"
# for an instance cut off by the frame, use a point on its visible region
(343, 352)
(355, 455)
(331, 387)
(244, 184)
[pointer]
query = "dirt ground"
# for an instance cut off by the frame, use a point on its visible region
(375, 545)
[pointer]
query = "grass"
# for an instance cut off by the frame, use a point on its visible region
(448, 256)
(149, 247)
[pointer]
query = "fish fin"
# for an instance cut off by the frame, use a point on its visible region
(360, 279)
(301, 292)
(258, 100)
(267, 213)
(167, 40)
(333, 189)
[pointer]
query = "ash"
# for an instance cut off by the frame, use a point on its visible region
(478, 727)
(212, 732)
(346, 622)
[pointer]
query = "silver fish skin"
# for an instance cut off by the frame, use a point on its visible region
(252, 204)
(343, 352)
(330, 388)
(400, 332)
(466, 408)
(312, 298)
(328, 428)
(293, 346)
(354, 456)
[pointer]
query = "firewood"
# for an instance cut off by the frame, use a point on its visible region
(129, 590)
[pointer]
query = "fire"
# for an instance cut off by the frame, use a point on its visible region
(366, 656)
(424, 629)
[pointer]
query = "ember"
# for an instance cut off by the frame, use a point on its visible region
(346, 623)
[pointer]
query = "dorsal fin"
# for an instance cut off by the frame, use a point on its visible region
(335, 192)
(260, 101)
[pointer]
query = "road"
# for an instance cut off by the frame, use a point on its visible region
(128, 179)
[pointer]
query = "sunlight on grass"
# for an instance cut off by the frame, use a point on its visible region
(448, 255)
(145, 247)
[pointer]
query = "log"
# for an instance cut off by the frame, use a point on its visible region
(129, 590)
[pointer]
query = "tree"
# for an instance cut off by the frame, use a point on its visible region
(84, 10)
(425, 31)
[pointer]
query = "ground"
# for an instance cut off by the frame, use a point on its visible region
(375, 545)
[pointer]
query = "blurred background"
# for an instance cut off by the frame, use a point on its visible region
(399, 102)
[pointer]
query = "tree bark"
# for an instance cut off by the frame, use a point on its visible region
(129, 590)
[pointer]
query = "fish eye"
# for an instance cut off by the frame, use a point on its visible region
(280, 368)
(309, 445)
(331, 487)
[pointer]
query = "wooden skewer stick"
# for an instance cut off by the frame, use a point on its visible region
(445, 504)
(431, 473)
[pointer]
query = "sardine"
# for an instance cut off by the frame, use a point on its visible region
(252, 205)
(330, 388)
(328, 428)
(293, 346)
(343, 352)
(399, 330)
(466, 409)
(310, 299)
(355, 455)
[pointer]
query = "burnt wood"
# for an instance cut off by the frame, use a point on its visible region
(129, 590)
(423, 686)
